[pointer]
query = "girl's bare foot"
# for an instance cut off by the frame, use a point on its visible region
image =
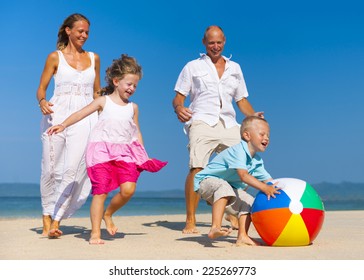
(110, 226)
(95, 239)
(217, 232)
(47, 220)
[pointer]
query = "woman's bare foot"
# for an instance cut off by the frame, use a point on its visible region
(246, 240)
(110, 226)
(233, 221)
(54, 232)
(47, 221)
(217, 232)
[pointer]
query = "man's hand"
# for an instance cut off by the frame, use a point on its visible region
(184, 114)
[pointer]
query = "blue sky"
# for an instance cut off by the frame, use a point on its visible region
(302, 61)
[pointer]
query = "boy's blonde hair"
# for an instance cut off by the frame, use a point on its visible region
(248, 123)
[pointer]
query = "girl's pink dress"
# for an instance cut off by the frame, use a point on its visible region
(114, 154)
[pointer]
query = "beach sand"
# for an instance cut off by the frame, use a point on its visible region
(160, 238)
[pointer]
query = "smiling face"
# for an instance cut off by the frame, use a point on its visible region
(78, 34)
(257, 134)
(214, 41)
(126, 86)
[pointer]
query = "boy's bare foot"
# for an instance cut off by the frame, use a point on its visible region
(110, 226)
(217, 232)
(54, 233)
(95, 239)
(247, 241)
(47, 220)
(233, 221)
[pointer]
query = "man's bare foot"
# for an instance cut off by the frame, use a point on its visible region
(47, 220)
(190, 228)
(217, 232)
(247, 241)
(95, 239)
(110, 226)
(233, 221)
(54, 233)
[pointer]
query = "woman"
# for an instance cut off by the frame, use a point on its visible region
(64, 184)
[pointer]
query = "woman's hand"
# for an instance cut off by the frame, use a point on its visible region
(45, 107)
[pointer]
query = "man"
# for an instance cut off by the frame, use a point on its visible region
(212, 81)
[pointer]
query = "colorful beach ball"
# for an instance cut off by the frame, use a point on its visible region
(293, 218)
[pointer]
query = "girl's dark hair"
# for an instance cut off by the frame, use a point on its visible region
(118, 69)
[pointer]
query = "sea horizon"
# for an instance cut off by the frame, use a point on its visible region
(22, 200)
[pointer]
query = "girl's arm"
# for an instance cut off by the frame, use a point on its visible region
(96, 105)
(136, 121)
(49, 70)
(97, 84)
(250, 180)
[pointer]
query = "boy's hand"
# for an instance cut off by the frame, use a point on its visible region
(271, 190)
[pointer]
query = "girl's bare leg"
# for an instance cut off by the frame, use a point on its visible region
(127, 190)
(96, 212)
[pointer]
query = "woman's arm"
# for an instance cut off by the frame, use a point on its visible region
(50, 68)
(97, 84)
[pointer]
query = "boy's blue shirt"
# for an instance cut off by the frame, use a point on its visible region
(224, 166)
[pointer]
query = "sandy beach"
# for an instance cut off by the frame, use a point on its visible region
(160, 238)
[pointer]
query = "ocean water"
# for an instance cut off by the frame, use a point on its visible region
(30, 207)
(23, 201)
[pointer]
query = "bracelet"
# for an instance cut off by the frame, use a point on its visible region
(176, 107)
(41, 100)
(61, 124)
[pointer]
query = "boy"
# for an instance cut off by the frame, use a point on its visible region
(223, 182)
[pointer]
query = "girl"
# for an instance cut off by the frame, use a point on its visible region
(115, 153)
